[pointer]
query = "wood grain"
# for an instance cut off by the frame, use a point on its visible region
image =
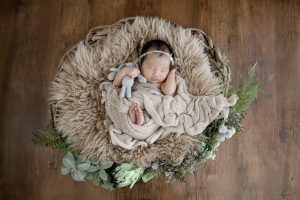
(263, 162)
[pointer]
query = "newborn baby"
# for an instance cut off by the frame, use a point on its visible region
(157, 68)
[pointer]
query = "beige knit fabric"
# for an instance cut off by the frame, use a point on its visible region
(183, 113)
(76, 96)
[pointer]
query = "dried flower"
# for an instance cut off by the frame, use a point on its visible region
(222, 129)
(230, 132)
(216, 144)
(220, 137)
(208, 154)
(155, 166)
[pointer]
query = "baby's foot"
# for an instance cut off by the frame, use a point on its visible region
(139, 115)
(132, 114)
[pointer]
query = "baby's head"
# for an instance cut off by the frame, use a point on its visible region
(155, 66)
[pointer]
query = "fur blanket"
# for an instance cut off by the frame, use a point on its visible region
(76, 97)
(183, 113)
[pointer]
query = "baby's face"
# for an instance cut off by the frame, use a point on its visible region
(155, 69)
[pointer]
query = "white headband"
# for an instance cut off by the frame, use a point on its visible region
(155, 51)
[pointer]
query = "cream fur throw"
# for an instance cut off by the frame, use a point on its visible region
(76, 94)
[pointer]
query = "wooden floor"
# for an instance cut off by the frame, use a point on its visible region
(263, 162)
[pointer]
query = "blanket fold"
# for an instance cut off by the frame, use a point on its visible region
(180, 113)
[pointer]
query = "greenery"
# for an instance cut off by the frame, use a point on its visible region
(81, 168)
(189, 165)
(247, 92)
(50, 137)
(112, 176)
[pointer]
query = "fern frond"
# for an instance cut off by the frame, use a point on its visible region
(51, 137)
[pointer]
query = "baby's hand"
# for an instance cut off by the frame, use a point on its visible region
(131, 71)
(173, 69)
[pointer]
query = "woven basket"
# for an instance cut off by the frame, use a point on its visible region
(98, 34)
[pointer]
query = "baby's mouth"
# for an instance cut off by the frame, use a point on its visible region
(154, 79)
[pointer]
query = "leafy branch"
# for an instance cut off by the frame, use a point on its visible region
(50, 137)
(247, 90)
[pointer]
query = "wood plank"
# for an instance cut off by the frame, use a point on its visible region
(260, 163)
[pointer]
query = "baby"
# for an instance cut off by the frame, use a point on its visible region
(157, 68)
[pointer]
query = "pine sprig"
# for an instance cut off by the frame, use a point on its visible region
(247, 90)
(50, 137)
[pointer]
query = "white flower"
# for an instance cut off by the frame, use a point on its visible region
(222, 129)
(230, 132)
(195, 153)
(216, 144)
(208, 154)
(155, 166)
(220, 137)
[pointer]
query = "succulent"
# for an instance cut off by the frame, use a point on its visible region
(97, 172)
(76, 165)
(81, 168)
(126, 174)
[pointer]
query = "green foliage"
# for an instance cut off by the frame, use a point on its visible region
(81, 168)
(247, 90)
(112, 176)
(178, 171)
(50, 137)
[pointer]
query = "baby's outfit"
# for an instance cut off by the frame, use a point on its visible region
(144, 86)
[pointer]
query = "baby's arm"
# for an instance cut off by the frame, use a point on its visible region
(169, 87)
(131, 71)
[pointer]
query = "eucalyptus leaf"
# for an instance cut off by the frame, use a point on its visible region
(96, 178)
(107, 184)
(81, 159)
(65, 170)
(68, 163)
(103, 174)
(82, 172)
(70, 157)
(107, 165)
(89, 175)
(92, 168)
(83, 166)
(95, 161)
(78, 176)
(73, 176)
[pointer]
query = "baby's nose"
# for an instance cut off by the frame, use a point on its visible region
(156, 72)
